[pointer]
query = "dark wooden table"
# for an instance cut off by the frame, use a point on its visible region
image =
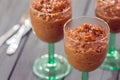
(19, 65)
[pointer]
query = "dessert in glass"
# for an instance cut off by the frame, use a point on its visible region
(109, 10)
(86, 42)
(48, 18)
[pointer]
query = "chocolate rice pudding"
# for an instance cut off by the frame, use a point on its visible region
(48, 18)
(86, 46)
(109, 10)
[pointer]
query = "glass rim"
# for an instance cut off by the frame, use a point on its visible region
(64, 28)
(56, 13)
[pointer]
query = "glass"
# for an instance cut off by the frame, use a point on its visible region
(48, 18)
(109, 10)
(85, 56)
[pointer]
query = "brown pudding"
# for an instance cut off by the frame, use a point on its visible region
(86, 47)
(48, 18)
(109, 10)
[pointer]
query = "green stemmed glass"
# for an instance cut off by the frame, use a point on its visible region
(109, 10)
(85, 55)
(48, 18)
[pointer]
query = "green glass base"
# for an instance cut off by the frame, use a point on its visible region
(112, 61)
(55, 71)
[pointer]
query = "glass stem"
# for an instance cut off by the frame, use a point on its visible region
(51, 53)
(84, 75)
(111, 48)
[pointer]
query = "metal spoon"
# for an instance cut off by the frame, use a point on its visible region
(8, 34)
(14, 41)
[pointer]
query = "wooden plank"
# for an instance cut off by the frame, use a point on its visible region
(10, 13)
(34, 48)
(79, 7)
(109, 75)
(90, 11)
(118, 78)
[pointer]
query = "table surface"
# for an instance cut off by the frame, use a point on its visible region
(19, 65)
